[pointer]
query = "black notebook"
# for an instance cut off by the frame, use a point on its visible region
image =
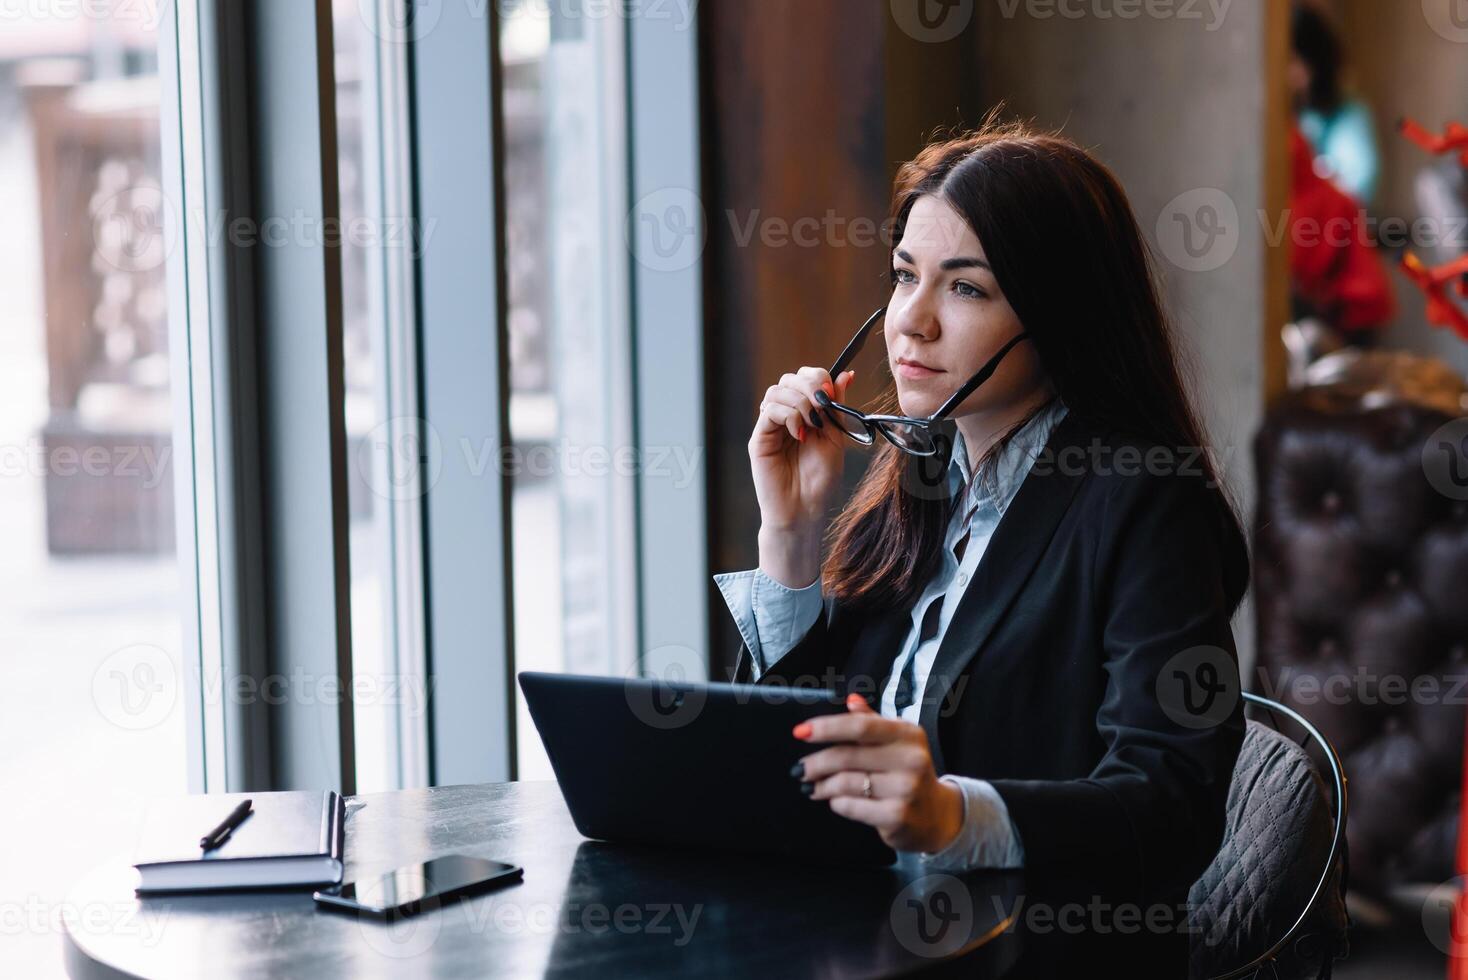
(288, 840)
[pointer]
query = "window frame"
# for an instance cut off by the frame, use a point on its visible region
(458, 149)
(261, 420)
(667, 324)
(216, 449)
(259, 408)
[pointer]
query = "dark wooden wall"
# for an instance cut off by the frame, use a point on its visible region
(808, 108)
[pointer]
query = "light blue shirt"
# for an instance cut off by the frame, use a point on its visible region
(772, 619)
(1345, 148)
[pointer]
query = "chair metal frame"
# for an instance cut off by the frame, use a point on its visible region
(1338, 777)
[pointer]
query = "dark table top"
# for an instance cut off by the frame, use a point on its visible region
(585, 908)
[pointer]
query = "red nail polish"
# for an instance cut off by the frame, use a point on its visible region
(800, 432)
(802, 730)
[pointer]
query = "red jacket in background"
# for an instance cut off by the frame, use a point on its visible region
(1334, 264)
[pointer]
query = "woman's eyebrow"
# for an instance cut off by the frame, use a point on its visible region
(962, 262)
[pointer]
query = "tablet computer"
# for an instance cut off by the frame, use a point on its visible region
(693, 765)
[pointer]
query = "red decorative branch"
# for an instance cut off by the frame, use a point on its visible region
(1453, 139)
(1442, 310)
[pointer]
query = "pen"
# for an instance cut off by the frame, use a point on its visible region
(219, 834)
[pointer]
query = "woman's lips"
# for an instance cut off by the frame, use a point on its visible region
(916, 372)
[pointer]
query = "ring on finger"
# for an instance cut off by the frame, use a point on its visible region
(866, 785)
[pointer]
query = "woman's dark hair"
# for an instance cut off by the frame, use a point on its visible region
(1318, 47)
(1064, 246)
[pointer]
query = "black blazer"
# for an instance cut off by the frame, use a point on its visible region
(1100, 573)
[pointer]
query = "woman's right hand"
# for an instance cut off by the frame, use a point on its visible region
(796, 454)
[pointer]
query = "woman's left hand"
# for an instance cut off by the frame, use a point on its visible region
(909, 806)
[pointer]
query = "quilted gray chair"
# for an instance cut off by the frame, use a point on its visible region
(1272, 903)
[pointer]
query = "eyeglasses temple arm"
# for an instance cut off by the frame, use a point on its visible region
(854, 346)
(973, 383)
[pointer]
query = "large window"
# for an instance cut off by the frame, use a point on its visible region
(283, 394)
(386, 445)
(93, 705)
(570, 408)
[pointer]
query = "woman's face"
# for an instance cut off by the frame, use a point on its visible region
(1299, 78)
(947, 317)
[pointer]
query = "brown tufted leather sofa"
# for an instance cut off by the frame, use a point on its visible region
(1361, 588)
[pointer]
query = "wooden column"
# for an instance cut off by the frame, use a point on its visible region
(1277, 126)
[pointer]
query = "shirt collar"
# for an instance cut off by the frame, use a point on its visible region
(1000, 477)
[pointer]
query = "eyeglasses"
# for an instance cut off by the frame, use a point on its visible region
(913, 436)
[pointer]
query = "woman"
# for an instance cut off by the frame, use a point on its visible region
(1337, 276)
(1338, 128)
(1018, 620)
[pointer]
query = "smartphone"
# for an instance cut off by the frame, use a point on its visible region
(420, 887)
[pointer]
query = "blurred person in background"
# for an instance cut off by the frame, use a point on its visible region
(1339, 128)
(1339, 283)
(1337, 275)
